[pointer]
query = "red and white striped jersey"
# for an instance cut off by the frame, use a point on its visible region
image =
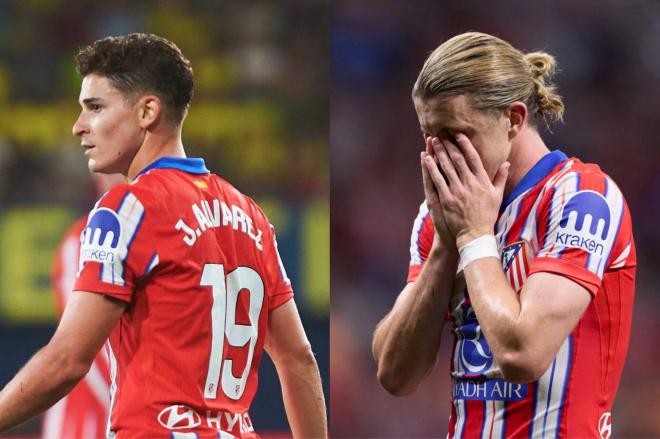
(83, 413)
(568, 218)
(197, 263)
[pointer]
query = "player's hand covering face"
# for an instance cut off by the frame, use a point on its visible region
(442, 231)
(108, 126)
(469, 201)
(465, 165)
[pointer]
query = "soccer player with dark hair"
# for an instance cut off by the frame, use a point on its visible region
(527, 252)
(177, 267)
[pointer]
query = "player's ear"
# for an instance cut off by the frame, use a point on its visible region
(150, 108)
(516, 114)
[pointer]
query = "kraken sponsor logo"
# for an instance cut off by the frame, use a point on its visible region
(585, 222)
(100, 239)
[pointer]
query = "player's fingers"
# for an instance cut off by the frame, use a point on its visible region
(458, 159)
(500, 177)
(429, 190)
(446, 164)
(471, 156)
(437, 178)
(429, 145)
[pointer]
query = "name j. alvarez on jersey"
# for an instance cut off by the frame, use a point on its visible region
(218, 214)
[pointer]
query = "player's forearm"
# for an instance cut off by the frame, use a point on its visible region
(407, 340)
(499, 311)
(303, 396)
(44, 380)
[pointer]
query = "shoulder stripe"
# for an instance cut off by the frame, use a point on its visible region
(615, 200)
(153, 263)
(621, 259)
(131, 214)
(415, 256)
(280, 264)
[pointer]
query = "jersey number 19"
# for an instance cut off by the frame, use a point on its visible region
(225, 291)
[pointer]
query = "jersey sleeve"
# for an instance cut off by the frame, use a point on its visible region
(280, 283)
(116, 248)
(421, 240)
(580, 227)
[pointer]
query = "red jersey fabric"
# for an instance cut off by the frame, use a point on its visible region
(564, 217)
(197, 263)
(83, 413)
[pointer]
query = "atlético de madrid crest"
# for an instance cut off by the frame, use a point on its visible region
(509, 254)
(515, 263)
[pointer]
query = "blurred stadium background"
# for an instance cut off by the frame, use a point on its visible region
(609, 55)
(259, 118)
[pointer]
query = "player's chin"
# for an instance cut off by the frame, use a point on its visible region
(97, 166)
(93, 165)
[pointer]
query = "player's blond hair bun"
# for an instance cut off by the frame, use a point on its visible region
(493, 73)
(542, 68)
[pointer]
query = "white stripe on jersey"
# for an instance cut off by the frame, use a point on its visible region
(459, 405)
(550, 394)
(498, 423)
(529, 229)
(152, 265)
(130, 215)
(415, 257)
(97, 383)
(488, 419)
(568, 184)
(89, 426)
(621, 259)
(69, 257)
(54, 420)
(506, 220)
(113, 387)
(493, 426)
(615, 203)
(285, 277)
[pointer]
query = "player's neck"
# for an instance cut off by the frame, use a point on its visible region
(155, 146)
(526, 150)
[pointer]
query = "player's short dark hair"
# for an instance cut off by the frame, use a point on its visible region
(142, 63)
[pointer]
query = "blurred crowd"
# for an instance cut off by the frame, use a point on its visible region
(609, 77)
(259, 117)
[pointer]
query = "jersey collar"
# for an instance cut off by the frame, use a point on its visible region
(189, 165)
(538, 172)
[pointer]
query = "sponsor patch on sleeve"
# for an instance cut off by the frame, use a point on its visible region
(585, 223)
(99, 241)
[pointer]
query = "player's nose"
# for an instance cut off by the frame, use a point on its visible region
(80, 127)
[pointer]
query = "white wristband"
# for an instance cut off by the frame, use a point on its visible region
(483, 247)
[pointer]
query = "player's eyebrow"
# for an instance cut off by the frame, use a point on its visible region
(426, 131)
(92, 100)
